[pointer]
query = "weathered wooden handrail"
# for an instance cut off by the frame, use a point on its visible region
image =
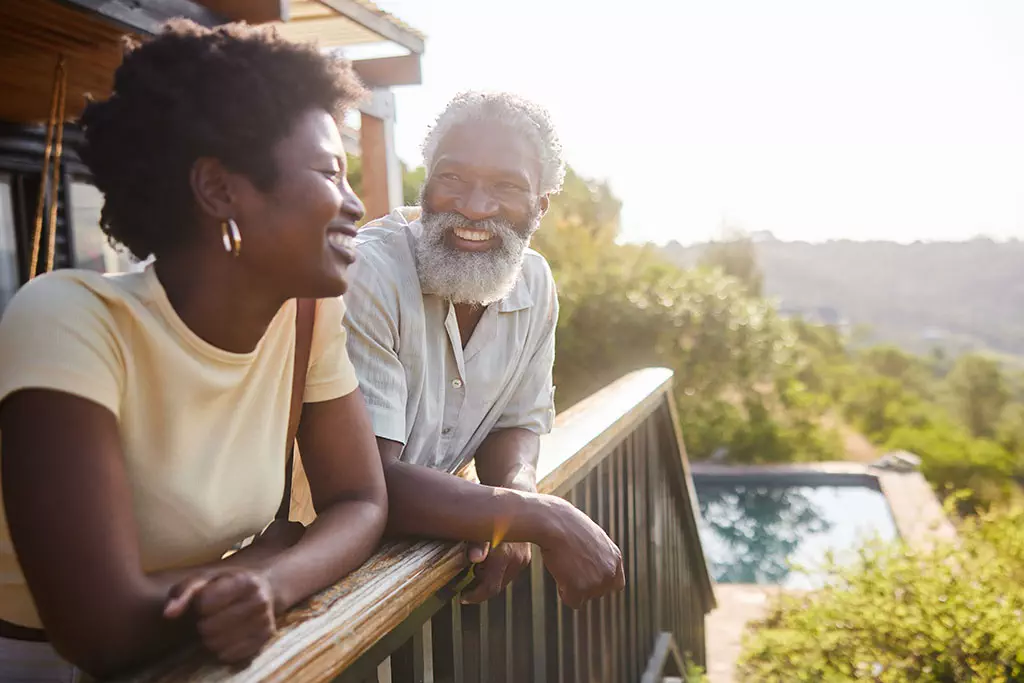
(618, 456)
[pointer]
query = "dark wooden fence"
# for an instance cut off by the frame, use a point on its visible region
(619, 457)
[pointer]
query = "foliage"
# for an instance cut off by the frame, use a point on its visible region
(949, 614)
(736, 256)
(979, 393)
(623, 307)
(961, 296)
(412, 181)
(692, 673)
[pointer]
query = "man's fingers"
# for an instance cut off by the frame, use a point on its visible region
(478, 552)
(181, 596)
(569, 598)
(487, 582)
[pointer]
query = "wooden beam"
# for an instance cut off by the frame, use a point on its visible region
(146, 16)
(373, 152)
(251, 11)
(386, 72)
(378, 24)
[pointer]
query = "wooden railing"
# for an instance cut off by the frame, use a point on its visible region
(619, 457)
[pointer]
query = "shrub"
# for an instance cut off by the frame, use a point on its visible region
(897, 615)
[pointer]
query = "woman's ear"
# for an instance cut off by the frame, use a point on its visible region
(545, 203)
(211, 188)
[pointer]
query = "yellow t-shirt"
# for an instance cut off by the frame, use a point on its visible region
(203, 429)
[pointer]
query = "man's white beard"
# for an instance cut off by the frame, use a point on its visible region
(467, 277)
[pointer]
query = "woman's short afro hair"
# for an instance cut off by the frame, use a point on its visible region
(231, 93)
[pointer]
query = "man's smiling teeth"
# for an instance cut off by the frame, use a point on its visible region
(472, 235)
(340, 240)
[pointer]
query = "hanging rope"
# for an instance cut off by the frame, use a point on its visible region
(50, 174)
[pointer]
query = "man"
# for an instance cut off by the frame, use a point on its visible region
(451, 323)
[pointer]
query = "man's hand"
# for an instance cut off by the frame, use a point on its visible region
(495, 568)
(584, 562)
(233, 608)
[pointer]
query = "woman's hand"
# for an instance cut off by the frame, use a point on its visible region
(233, 609)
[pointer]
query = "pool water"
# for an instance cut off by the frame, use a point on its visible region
(775, 533)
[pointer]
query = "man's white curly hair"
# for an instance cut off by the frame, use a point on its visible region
(518, 113)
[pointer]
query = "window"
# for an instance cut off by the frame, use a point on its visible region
(8, 248)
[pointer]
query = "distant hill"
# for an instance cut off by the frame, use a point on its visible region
(957, 295)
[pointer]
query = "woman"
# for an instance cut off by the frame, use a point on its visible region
(144, 416)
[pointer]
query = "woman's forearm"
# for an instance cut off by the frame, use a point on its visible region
(340, 539)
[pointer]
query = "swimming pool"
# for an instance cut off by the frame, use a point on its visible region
(775, 527)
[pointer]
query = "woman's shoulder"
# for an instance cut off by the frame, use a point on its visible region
(72, 295)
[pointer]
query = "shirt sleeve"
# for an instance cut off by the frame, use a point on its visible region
(58, 334)
(532, 406)
(330, 374)
(373, 337)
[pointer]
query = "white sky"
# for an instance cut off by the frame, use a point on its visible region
(815, 119)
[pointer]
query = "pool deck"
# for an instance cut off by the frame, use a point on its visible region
(915, 509)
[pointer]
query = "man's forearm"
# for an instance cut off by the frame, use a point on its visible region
(432, 504)
(508, 458)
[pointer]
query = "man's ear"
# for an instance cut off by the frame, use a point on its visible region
(211, 188)
(545, 203)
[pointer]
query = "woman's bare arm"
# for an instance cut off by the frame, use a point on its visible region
(69, 510)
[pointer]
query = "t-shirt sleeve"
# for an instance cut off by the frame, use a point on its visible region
(331, 374)
(373, 342)
(57, 334)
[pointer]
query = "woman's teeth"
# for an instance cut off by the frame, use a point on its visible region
(340, 240)
(472, 235)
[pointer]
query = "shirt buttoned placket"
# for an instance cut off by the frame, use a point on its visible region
(454, 392)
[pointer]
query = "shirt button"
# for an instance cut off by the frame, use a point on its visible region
(446, 431)
(457, 383)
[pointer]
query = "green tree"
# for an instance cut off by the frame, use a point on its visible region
(736, 255)
(412, 179)
(979, 393)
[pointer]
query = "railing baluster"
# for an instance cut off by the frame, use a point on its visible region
(472, 628)
(458, 643)
(648, 590)
(633, 577)
(424, 656)
(599, 477)
(622, 598)
(402, 668)
(573, 665)
(492, 639)
(558, 653)
(524, 650)
(589, 608)
(510, 640)
(442, 639)
(538, 623)
(384, 671)
(613, 532)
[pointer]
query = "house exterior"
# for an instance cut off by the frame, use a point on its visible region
(85, 35)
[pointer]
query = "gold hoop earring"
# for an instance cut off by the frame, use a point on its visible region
(231, 237)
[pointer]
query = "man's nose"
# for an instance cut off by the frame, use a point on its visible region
(478, 204)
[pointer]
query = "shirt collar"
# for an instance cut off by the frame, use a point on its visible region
(518, 299)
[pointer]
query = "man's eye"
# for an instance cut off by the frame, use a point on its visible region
(508, 187)
(449, 176)
(334, 176)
